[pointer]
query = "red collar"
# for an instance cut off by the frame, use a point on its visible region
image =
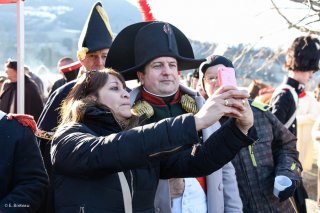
(155, 100)
(302, 94)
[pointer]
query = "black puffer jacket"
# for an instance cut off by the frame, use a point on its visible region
(86, 166)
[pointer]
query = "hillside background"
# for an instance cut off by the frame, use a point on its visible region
(52, 29)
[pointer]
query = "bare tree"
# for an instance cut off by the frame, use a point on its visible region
(309, 23)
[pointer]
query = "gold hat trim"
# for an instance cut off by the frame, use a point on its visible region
(81, 54)
(105, 19)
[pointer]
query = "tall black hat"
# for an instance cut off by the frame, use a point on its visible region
(96, 33)
(303, 55)
(138, 44)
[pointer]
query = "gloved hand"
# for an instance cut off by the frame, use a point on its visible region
(288, 192)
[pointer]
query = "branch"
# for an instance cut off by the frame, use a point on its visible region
(292, 25)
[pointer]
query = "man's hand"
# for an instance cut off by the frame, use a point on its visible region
(288, 192)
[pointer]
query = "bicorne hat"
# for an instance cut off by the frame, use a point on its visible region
(138, 44)
(96, 33)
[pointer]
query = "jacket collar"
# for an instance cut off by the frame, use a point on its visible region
(159, 101)
(295, 84)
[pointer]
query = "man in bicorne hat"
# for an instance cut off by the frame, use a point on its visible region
(153, 52)
(93, 46)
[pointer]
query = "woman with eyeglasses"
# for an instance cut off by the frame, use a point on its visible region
(104, 162)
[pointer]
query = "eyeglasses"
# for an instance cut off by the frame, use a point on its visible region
(211, 79)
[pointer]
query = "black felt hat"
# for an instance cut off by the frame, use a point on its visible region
(13, 64)
(138, 44)
(303, 55)
(96, 33)
(215, 60)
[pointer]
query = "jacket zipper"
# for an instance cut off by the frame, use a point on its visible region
(253, 158)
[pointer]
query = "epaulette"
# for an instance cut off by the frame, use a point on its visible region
(189, 104)
(25, 120)
(44, 134)
(261, 106)
(142, 107)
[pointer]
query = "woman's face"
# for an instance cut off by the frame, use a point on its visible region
(211, 82)
(116, 98)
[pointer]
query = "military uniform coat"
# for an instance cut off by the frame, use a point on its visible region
(23, 178)
(222, 190)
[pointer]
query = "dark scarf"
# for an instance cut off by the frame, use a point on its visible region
(101, 120)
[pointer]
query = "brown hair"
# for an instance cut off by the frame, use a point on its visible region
(82, 95)
(303, 55)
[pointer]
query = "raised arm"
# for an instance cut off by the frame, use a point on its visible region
(78, 151)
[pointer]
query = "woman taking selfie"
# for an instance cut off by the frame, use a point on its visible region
(102, 165)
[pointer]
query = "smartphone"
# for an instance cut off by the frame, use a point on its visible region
(227, 76)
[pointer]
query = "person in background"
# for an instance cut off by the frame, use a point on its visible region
(58, 83)
(188, 79)
(93, 46)
(8, 98)
(71, 71)
(98, 152)
(317, 92)
(302, 60)
(272, 155)
(153, 52)
(24, 180)
(2, 80)
(194, 79)
(36, 80)
(316, 138)
(307, 112)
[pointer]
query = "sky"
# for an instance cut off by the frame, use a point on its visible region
(229, 22)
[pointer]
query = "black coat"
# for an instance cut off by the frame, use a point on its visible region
(284, 106)
(33, 102)
(50, 115)
(85, 165)
(23, 179)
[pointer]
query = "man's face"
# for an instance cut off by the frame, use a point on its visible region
(12, 74)
(303, 77)
(95, 60)
(160, 76)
